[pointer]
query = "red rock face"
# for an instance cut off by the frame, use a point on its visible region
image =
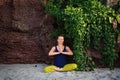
(24, 32)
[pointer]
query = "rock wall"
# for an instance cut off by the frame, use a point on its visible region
(24, 32)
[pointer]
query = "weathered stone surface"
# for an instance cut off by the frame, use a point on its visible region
(20, 72)
(24, 32)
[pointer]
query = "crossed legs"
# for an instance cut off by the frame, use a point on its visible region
(67, 67)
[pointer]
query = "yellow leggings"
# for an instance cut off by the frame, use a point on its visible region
(67, 67)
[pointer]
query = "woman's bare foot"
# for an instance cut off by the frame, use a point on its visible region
(58, 69)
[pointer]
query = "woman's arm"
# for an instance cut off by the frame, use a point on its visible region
(52, 52)
(69, 52)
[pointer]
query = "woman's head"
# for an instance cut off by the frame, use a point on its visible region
(60, 40)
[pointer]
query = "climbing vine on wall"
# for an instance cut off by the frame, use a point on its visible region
(81, 20)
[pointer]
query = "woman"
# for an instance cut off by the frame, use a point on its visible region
(59, 52)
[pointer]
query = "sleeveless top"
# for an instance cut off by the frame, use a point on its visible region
(60, 59)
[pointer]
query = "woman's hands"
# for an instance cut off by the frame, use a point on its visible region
(52, 52)
(68, 52)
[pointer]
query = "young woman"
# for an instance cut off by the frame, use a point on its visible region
(59, 52)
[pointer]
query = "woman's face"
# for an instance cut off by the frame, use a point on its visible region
(60, 40)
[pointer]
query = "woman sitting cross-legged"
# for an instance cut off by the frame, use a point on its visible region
(59, 52)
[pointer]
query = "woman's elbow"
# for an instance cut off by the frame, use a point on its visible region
(71, 54)
(49, 55)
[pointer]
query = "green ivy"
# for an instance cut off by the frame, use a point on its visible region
(82, 20)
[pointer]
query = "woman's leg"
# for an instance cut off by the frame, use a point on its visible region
(70, 67)
(50, 69)
(67, 67)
